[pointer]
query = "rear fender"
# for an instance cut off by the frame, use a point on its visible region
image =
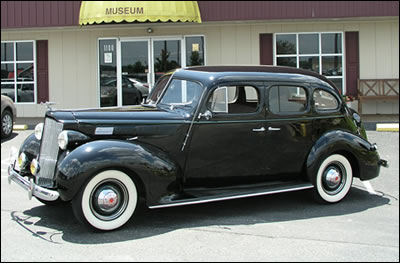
(362, 155)
(155, 170)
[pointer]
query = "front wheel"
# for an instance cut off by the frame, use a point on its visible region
(107, 201)
(7, 124)
(333, 179)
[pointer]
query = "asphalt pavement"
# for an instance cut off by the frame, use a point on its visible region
(282, 227)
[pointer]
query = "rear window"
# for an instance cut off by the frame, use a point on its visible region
(287, 99)
(325, 101)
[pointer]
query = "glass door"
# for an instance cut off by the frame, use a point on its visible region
(167, 55)
(135, 72)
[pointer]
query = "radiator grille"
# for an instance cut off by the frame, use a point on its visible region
(48, 152)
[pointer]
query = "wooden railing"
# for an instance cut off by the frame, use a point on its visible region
(377, 89)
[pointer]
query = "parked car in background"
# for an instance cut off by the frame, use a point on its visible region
(207, 134)
(141, 86)
(108, 92)
(8, 115)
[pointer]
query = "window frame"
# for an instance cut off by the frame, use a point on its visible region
(320, 55)
(14, 62)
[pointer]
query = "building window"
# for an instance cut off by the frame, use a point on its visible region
(318, 52)
(18, 71)
(194, 51)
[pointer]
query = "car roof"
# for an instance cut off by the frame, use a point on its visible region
(261, 71)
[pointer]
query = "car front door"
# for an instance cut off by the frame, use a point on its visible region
(227, 144)
(288, 129)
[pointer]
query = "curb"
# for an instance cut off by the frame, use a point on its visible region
(391, 127)
(20, 127)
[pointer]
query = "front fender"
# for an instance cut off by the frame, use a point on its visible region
(363, 156)
(30, 147)
(155, 170)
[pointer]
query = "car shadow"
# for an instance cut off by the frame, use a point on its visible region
(12, 136)
(57, 224)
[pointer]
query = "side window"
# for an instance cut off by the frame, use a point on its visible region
(234, 100)
(287, 99)
(325, 101)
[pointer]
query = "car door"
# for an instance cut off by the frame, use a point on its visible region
(227, 144)
(288, 129)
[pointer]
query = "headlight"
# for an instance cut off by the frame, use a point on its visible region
(39, 131)
(34, 167)
(22, 160)
(63, 140)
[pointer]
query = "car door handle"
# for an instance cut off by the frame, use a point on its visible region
(262, 129)
(274, 129)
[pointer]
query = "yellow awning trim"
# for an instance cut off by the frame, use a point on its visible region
(141, 11)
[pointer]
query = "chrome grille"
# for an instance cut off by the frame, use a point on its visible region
(48, 152)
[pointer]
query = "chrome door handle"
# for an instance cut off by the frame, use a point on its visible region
(274, 129)
(262, 129)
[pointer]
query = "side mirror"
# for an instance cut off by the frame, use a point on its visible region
(207, 114)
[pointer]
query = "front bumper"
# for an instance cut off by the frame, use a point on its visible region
(30, 186)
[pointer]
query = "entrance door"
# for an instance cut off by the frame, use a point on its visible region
(167, 56)
(135, 71)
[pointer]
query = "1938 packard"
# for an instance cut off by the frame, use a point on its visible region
(204, 134)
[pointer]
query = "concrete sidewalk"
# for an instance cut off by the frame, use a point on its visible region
(371, 122)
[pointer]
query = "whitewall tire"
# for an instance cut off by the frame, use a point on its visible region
(333, 179)
(107, 201)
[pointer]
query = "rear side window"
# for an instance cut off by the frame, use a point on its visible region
(325, 101)
(287, 99)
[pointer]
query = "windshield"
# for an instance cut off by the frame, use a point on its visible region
(182, 93)
(158, 88)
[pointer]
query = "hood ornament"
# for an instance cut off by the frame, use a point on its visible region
(48, 105)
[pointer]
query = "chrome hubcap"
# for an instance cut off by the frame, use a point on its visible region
(7, 124)
(334, 178)
(109, 199)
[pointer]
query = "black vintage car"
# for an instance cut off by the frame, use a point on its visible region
(204, 134)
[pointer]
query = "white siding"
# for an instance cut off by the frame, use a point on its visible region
(73, 52)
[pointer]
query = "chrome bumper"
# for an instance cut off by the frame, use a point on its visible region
(30, 186)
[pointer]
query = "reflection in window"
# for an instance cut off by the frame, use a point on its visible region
(286, 44)
(309, 63)
(18, 73)
(194, 51)
(308, 44)
(332, 66)
(108, 72)
(331, 43)
(182, 93)
(287, 61)
(287, 99)
(7, 52)
(325, 101)
(318, 52)
(167, 56)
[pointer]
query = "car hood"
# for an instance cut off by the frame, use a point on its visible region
(124, 120)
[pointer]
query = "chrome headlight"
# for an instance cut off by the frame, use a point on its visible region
(39, 131)
(63, 140)
(34, 167)
(22, 160)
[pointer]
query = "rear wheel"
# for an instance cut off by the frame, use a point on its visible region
(107, 201)
(333, 179)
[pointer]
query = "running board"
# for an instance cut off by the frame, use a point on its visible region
(235, 195)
